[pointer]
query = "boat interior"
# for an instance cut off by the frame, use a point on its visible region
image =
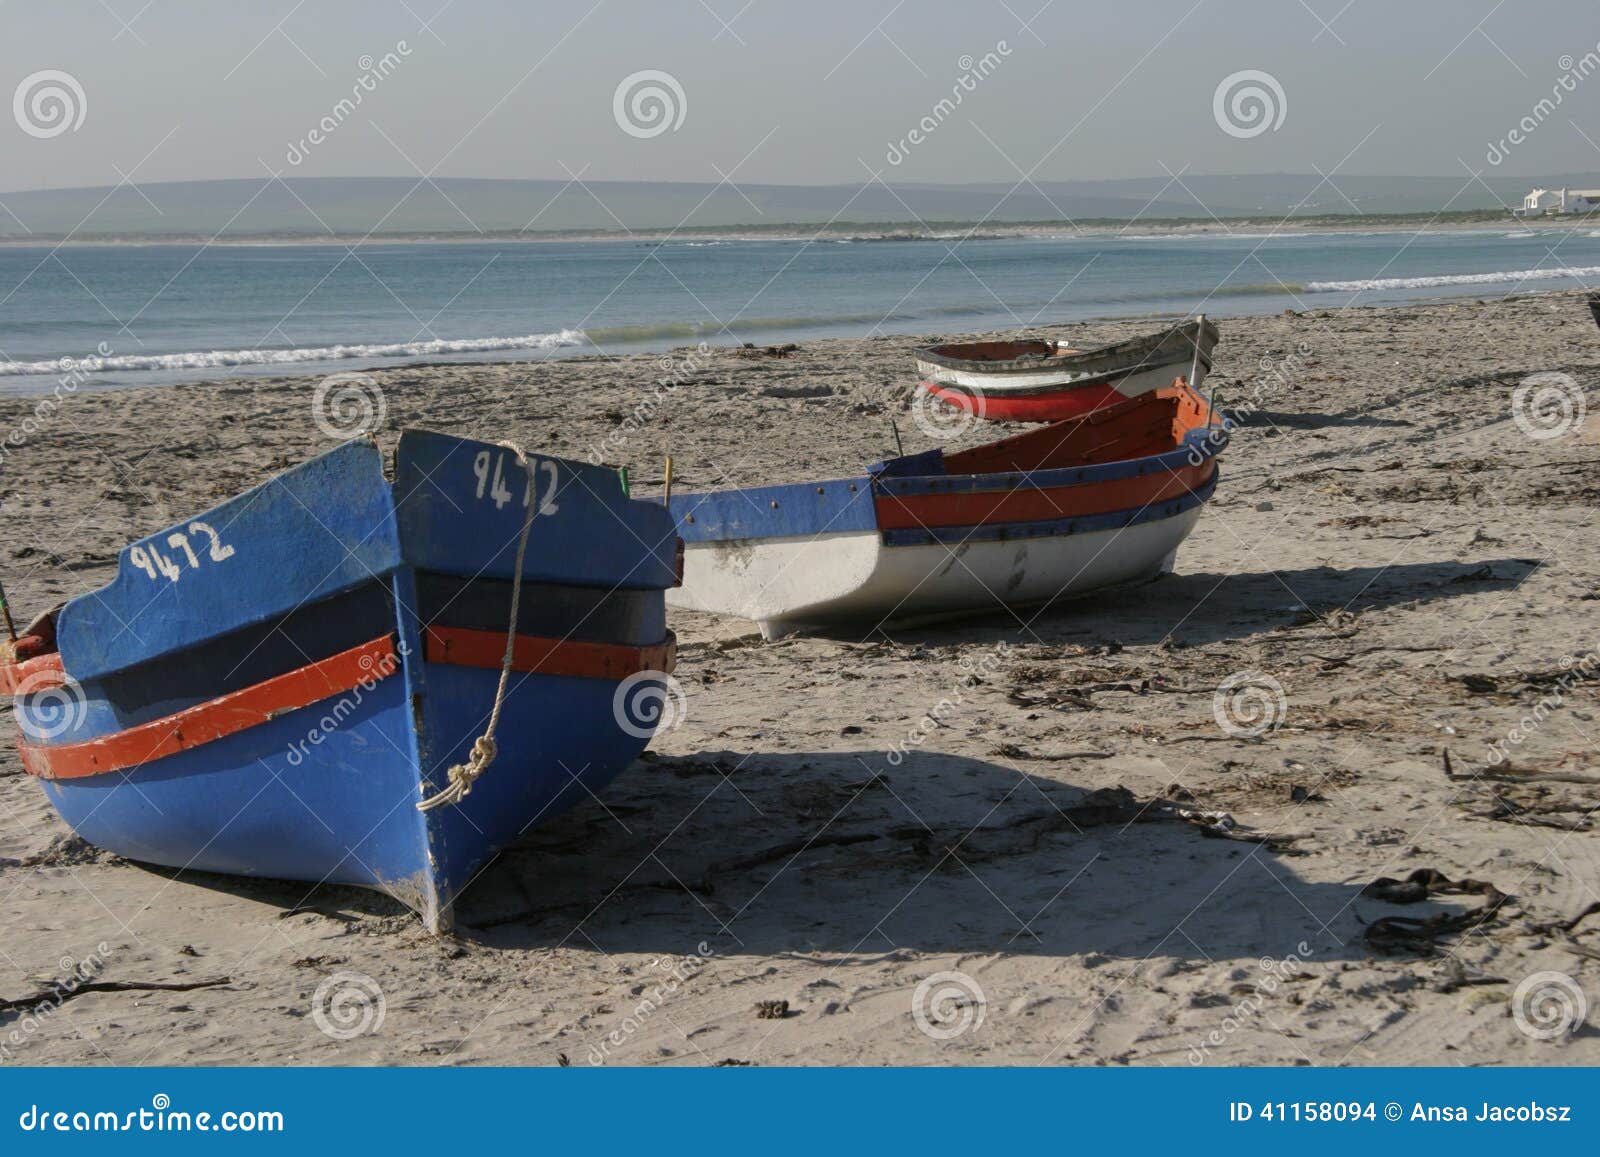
(1004, 351)
(1140, 427)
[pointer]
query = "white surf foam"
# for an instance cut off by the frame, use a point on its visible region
(218, 359)
(1516, 275)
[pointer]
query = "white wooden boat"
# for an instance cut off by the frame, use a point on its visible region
(1050, 381)
(1054, 512)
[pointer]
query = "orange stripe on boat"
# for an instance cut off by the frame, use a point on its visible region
(216, 719)
(1024, 504)
(465, 647)
(37, 674)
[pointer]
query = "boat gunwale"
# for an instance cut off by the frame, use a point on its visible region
(370, 662)
(1208, 337)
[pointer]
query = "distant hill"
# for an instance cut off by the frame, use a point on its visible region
(308, 207)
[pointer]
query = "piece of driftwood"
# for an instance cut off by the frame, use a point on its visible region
(1422, 934)
(1508, 773)
(62, 993)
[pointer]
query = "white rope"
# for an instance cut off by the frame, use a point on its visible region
(463, 775)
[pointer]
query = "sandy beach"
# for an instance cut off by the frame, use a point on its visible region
(943, 844)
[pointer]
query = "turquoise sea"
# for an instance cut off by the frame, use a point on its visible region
(152, 314)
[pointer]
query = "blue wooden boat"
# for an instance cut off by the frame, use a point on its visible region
(281, 685)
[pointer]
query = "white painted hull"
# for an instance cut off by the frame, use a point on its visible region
(994, 386)
(784, 584)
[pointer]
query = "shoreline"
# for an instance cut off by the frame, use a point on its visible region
(587, 353)
(799, 233)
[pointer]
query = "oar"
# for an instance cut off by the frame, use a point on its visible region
(5, 608)
(667, 498)
(1194, 365)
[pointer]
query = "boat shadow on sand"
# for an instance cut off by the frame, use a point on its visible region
(843, 854)
(1198, 607)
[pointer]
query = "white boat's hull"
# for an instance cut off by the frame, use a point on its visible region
(1130, 385)
(785, 584)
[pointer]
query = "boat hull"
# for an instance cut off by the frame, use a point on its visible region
(889, 583)
(1064, 384)
(327, 794)
(1052, 513)
(229, 752)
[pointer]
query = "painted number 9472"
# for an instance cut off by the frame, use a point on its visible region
(489, 467)
(199, 536)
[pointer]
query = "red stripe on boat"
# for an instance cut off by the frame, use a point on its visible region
(216, 719)
(465, 647)
(1022, 504)
(1048, 404)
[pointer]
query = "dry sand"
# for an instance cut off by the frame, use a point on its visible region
(1387, 543)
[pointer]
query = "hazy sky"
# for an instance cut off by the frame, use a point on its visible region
(780, 91)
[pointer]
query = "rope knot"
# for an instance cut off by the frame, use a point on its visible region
(463, 775)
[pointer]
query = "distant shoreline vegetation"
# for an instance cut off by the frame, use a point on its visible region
(857, 231)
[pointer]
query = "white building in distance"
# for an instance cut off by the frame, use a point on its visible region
(1541, 202)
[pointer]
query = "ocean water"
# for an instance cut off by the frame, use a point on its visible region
(153, 314)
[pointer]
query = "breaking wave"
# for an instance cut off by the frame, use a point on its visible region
(221, 359)
(1515, 275)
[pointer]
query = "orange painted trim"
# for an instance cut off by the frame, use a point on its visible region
(1022, 504)
(464, 647)
(39, 673)
(216, 719)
